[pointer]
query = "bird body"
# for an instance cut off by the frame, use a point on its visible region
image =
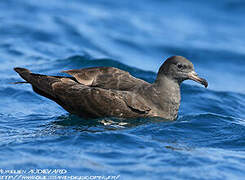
(111, 92)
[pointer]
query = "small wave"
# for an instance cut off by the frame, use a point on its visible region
(199, 100)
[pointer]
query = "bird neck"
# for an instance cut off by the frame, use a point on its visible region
(166, 84)
(169, 95)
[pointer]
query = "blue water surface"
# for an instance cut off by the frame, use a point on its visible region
(207, 141)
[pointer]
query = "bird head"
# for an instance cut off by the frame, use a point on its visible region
(179, 69)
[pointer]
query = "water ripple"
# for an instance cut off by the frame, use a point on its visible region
(205, 142)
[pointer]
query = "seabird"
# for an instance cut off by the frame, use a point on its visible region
(111, 92)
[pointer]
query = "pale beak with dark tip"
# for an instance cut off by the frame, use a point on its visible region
(193, 76)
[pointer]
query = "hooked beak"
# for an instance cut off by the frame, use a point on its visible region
(193, 76)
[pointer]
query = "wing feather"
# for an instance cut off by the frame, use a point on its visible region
(90, 101)
(106, 77)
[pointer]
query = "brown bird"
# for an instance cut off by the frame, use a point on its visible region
(111, 92)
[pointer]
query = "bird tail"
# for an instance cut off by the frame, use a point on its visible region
(39, 82)
(42, 84)
(24, 73)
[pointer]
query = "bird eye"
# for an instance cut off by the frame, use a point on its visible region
(180, 66)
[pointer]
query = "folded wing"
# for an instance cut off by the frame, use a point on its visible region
(106, 78)
(88, 100)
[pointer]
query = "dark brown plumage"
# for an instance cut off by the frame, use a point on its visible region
(108, 91)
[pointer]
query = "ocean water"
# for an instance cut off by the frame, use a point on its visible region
(207, 141)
